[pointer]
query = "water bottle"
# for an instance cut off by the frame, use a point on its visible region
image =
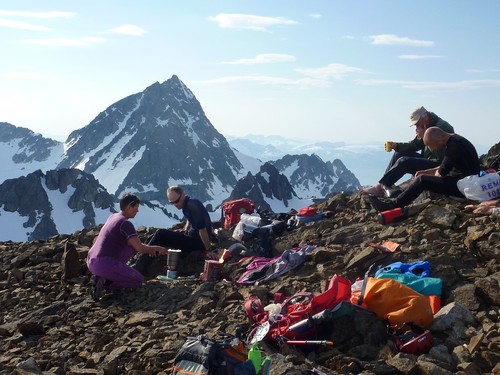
(397, 214)
(255, 356)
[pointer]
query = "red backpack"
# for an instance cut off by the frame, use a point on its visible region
(307, 211)
(232, 210)
(293, 323)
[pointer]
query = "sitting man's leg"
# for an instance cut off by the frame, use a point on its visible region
(162, 237)
(397, 155)
(403, 165)
(406, 165)
(441, 185)
(172, 240)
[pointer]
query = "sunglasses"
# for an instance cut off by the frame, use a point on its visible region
(176, 201)
(134, 202)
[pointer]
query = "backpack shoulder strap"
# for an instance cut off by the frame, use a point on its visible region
(363, 287)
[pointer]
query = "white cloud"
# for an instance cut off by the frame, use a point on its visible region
(51, 14)
(335, 71)
(315, 15)
(65, 42)
(248, 21)
(432, 85)
(391, 39)
(417, 57)
(129, 30)
(266, 58)
(22, 25)
(266, 81)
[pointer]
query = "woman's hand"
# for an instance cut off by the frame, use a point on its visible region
(161, 250)
(153, 251)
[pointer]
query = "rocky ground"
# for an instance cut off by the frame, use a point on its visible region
(50, 325)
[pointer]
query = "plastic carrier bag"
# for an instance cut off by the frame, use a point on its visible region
(482, 187)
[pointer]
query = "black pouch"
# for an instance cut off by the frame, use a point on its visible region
(198, 356)
(202, 355)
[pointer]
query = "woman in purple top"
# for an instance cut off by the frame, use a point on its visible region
(116, 243)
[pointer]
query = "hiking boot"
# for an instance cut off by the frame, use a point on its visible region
(376, 190)
(97, 288)
(381, 205)
(391, 192)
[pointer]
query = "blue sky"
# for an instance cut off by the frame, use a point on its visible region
(317, 70)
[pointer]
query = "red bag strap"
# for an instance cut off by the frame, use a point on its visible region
(301, 297)
(254, 309)
(279, 297)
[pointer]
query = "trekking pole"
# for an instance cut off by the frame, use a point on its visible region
(309, 342)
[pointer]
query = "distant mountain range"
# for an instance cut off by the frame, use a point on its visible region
(142, 144)
(366, 161)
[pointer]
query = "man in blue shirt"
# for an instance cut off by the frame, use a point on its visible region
(197, 234)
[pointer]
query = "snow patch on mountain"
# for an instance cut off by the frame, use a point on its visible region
(65, 219)
(250, 164)
(153, 216)
(294, 203)
(17, 157)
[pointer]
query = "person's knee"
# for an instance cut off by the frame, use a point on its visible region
(426, 180)
(158, 237)
(402, 161)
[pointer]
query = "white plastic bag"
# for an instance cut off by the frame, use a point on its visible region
(482, 187)
(238, 231)
(251, 219)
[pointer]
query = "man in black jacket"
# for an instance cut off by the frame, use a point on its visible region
(410, 157)
(460, 160)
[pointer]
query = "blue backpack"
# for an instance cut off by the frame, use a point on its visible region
(419, 268)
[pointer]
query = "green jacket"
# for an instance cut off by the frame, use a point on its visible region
(417, 144)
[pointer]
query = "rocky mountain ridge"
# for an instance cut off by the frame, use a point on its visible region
(330, 177)
(24, 152)
(50, 325)
(30, 202)
(268, 184)
(142, 143)
(365, 160)
(153, 139)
